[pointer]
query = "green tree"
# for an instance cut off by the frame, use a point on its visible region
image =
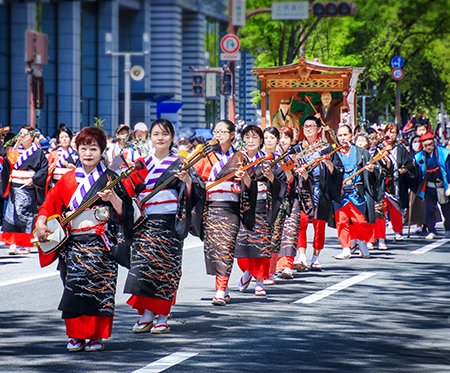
(418, 30)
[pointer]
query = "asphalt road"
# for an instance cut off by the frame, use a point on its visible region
(388, 313)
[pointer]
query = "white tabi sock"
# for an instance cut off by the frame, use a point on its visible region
(246, 276)
(147, 316)
(382, 241)
(162, 319)
(259, 285)
(302, 258)
(314, 259)
(353, 243)
(220, 294)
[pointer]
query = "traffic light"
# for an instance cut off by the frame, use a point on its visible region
(333, 9)
(225, 83)
(198, 82)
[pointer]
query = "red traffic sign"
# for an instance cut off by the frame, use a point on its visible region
(397, 74)
(230, 43)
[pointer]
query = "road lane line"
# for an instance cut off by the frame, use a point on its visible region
(335, 288)
(431, 246)
(20, 280)
(193, 245)
(166, 362)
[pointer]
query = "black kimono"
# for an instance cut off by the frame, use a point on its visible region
(156, 253)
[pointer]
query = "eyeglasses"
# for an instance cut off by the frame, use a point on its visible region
(220, 132)
(308, 126)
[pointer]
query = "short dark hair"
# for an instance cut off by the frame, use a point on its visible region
(317, 120)
(230, 125)
(66, 130)
(345, 126)
(164, 123)
(89, 135)
(274, 131)
(252, 128)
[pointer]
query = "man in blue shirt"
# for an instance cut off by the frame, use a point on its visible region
(434, 171)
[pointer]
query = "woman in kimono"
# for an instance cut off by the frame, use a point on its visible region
(299, 198)
(29, 168)
(88, 268)
(397, 184)
(225, 202)
(253, 248)
(62, 159)
(156, 252)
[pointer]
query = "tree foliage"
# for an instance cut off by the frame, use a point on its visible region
(417, 30)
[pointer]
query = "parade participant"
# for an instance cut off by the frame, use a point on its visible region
(63, 159)
(420, 129)
(119, 156)
(298, 190)
(156, 253)
(325, 180)
(418, 207)
(184, 147)
(223, 208)
(271, 138)
(141, 141)
(376, 229)
(286, 139)
(29, 170)
(44, 144)
(434, 174)
(253, 248)
(397, 183)
(88, 269)
(353, 205)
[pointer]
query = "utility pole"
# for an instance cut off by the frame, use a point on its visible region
(36, 55)
(127, 68)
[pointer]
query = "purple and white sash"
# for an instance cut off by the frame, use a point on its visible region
(85, 182)
(25, 154)
(63, 155)
(223, 160)
(156, 169)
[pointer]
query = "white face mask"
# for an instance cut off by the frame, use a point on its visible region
(415, 146)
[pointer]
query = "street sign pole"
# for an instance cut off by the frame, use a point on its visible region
(397, 104)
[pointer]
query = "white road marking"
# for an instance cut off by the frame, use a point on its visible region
(193, 245)
(20, 280)
(335, 288)
(166, 362)
(431, 246)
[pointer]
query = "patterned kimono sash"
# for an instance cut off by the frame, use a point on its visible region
(25, 154)
(85, 182)
(222, 161)
(63, 155)
(166, 201)
(156, 169)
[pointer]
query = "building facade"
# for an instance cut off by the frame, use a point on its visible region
(82, 82)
